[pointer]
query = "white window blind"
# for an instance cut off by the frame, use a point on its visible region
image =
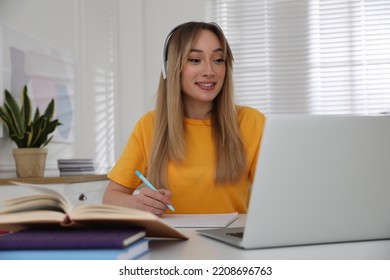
(309, 56)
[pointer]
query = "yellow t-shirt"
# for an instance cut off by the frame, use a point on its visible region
(192, 182)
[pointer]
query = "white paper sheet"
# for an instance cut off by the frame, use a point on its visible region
(200, 220)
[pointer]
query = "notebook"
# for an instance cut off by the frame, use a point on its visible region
(319, 179)
(200, 220)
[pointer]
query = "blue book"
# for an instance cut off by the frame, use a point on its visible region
(66, 238)
(133, 251)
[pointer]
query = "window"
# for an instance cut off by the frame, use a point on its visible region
(309, 56)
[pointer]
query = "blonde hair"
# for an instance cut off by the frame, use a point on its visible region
(169, 144)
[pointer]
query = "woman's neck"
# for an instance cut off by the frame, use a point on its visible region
(198, 112)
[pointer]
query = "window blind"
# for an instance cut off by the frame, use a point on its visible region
(309, 56)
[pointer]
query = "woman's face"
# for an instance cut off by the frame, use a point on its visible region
(204, 71)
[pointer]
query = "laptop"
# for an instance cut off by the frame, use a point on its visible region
(319, 179)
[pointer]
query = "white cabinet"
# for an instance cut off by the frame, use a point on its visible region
(86, 192)
(77, 193)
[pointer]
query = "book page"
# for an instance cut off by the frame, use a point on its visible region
(105, 215)
(31, 217)
(108, 211)
(45, 199)
(31, 203)
(200, 220)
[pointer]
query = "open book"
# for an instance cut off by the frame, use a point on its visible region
(49, 209)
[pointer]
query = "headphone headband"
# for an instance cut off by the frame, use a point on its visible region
(165, 51)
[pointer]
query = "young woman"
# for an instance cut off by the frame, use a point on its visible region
(198, 148)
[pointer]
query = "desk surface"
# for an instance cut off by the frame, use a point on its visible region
(199, 247)
(202, 248)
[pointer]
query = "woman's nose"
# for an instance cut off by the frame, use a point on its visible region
(208, 69)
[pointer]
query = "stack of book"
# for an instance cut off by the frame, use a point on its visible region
(76, 167)
(46, 226)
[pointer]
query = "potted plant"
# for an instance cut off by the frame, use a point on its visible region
(30, 135)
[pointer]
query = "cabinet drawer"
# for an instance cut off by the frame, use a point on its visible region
(86, 193)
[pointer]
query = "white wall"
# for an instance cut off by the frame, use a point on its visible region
(49, 21)
(117, 49)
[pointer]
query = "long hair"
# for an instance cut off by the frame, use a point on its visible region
(168, 143)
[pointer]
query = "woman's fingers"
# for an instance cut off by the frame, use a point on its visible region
(152, 201)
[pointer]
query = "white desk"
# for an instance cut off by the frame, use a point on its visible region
(202, 248)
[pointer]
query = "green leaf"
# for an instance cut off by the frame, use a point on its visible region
(12, 110)
(49, 112)
(26, 108)
(47, 141)
(29, 136)
(36, 115)
(4, 118)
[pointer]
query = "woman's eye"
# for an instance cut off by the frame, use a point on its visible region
(194, 60)
(219, 60)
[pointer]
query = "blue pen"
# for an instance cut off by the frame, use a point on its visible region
(150, 186)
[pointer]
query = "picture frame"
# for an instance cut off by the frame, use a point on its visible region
(48, 72)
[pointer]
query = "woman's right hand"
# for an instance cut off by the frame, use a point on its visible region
(144, 199)
(150, 200)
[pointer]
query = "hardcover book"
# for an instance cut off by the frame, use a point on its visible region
(31, 239)
(133, 251)
(50, 209)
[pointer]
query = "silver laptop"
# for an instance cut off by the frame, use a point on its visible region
(319, 179)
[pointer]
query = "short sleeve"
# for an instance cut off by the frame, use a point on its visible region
(135, 155)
